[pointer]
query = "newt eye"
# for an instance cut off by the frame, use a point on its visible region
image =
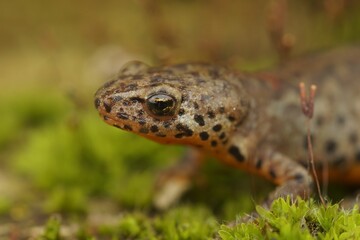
(161, 105)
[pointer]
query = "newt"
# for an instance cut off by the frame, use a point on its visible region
(243, 119)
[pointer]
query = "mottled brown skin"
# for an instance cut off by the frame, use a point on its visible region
(244, 120)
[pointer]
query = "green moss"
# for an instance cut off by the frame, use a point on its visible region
(52, 229)
(300, 220)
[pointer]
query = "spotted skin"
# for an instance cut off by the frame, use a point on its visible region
(249, 121)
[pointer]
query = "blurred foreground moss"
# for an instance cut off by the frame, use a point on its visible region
(183, 222)
(52, 229)
(285, 220)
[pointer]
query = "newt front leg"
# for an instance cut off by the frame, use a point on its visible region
(173, 182)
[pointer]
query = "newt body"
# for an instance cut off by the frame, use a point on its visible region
(242, 119)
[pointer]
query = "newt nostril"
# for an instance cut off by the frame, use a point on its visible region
(97, 103)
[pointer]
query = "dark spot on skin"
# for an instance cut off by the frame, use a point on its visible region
(217, 127)
(127, 127)
(184, 129)
(330, 146)
(131, 87)
(117, 99)
(141, 121)
(211, 114)
(213, 143)
(181, 112)
(340, 160)
(97, 103)
(154, 128)
(259, 163)
(299, 177)
(184, 98)
(122, 115)
(107, 107)
(179, 135)
(234, 151)
(272, 172)
(153, 85)
(353, 138)
(199, 119)
(117, 126)
(126, 103)
(225, 141)
(221, 109)
(137, 99)
(204, 136)
(106, 118)
(166, 124)
(140, 112)
(340, 120)
(196, 106)
(144, 130)
(357, 156)
(320, 120)
(160, 135)
(231, 118)
(222, 136)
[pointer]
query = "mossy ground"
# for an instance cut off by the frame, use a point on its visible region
(65, 171)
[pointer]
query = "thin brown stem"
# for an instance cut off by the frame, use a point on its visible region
(307, 107)
(312, 162)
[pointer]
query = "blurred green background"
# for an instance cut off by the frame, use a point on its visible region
(56, 154)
